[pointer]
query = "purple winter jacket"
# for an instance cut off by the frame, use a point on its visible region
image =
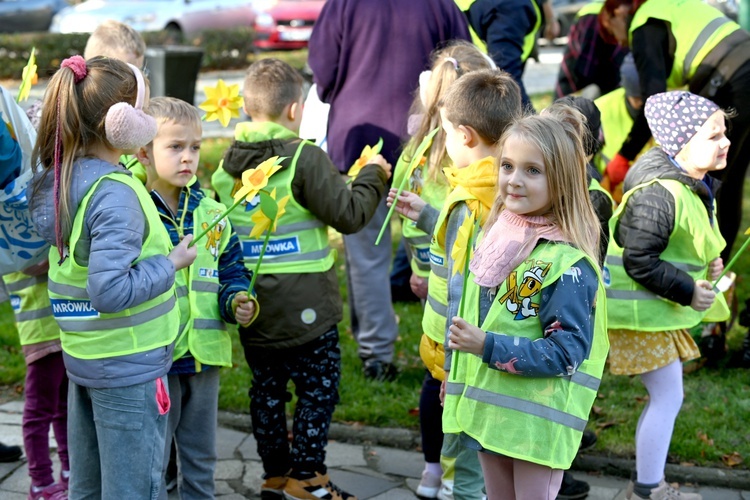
(366, 57)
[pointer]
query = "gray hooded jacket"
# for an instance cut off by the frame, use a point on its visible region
(112, 237)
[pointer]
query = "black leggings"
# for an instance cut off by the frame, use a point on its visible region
(315, 369)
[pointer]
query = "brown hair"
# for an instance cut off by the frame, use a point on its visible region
(487, 101)
(111, 37)
(445, 71)
(171, 109)
(557, 135)
(270, 85)
(76, 111)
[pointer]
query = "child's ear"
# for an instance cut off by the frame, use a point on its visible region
(293, 111)
(470, 136)
(142, 155)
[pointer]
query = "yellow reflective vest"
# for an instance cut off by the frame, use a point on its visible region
(300, 242)
(696, 27)
(694, 243)
(85, 332)
(536, 419)
(31, 307)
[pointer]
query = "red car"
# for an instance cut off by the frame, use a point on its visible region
(286, 24)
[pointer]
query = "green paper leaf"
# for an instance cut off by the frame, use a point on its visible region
(268, 205)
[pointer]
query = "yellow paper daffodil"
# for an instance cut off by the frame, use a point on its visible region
(368, 153)
(461, 247)
(255, 179)
(28, 77)
(262, 221)
(222, 102)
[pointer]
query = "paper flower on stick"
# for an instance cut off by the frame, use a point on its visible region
(223, 102)
(269, 214)
(255, 179)
(28, 77)
(368, 153)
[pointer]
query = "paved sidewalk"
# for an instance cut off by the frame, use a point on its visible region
(369, 471)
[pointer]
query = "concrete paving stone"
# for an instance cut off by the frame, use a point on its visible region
(342, 454)
(253, 476)
(11, 434)
(397, 462)
(227, 442)
(395, 494)
(361, 485)
(368, 472)
(222, 488)
(7, 468)
(603, 493)
(249, 448)
(11, 495)
(15, 406)
(715, 493)
(229, 469)
(18, 481)
(10, 418)
(745, 495)
(412, 483)
(231, 496)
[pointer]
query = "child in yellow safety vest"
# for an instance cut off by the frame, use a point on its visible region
(475, 111)
(663, 255)
(537, 341)
(111, 277)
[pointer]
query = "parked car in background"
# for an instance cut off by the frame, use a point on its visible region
(181, 17)
(285, 24)
(28, 15)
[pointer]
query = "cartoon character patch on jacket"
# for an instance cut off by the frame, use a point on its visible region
(213, 237)
(518, 298)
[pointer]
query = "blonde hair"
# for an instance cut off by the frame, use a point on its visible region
(557, 135)
(75, 113)
(171, 109)
(270, 85)
(448, 64)
(113, 37)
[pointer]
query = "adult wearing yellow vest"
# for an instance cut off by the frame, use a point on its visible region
(678, 43)
(589, 59)
(661, 260)
(508, 29)
(45, 404)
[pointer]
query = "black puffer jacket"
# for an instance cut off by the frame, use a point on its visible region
(647, 222)
(603, 208)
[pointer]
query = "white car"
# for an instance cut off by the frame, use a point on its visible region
(182, 17)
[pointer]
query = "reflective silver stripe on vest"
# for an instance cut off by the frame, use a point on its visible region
(26, 283)
(528, 407)
(114, 323)
(181, 291)
(419, 240)
(439, 308)
(209, 324)
(440, 271)
(68, 290)
(35, 314)
(631, 295)
(316, 255)
(586, 380)
(454, 389)
(287, 228)
(702, 38)
(205, 286)
(682, 266)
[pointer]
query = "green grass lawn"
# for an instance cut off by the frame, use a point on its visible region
(712, 423)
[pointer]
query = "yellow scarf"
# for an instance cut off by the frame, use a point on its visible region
(479, 179)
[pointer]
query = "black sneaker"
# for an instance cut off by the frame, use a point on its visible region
(588, 440)
(380, 371)
(572, 488)
(9, 453)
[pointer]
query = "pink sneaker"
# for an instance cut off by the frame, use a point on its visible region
(54, 491)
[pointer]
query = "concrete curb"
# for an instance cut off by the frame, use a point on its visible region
(406, 439)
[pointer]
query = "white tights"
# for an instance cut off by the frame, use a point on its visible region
(655, 426)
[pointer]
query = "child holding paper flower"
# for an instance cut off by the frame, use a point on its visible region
(537, 344)
(662, 257)
(215, 291)
(295, 335)
(475, 111)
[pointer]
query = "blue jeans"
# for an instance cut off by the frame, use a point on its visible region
(116, 444)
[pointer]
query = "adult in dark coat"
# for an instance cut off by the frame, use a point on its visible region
(366, 57)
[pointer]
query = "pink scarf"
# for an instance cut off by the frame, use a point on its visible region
(508, 243)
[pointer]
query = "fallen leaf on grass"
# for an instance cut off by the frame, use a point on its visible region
(642, 399)
(687, 464)
(414, 412)
(598, 410)
(607, 424)
(704, 437)
(731, 459)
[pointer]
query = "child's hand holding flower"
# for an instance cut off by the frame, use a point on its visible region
(382, 163)
(243, 308)
(409, 204)
(465, 337)
(715, 267)
(183, 254)
(703, 295)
